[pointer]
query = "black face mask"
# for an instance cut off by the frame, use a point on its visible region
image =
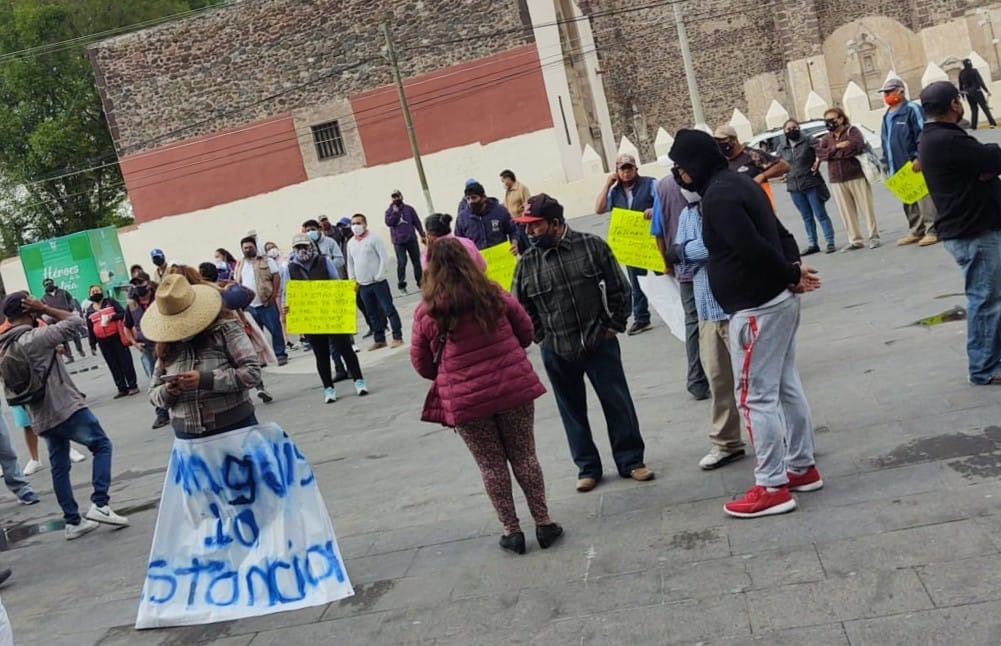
(250, 253)
(140, 290)
(159, 260)
(832, 124)
(727, 148)
(397, 201)
(97, 297)
(794, 134)
(478, 207)
(49, 289)
(688, 186)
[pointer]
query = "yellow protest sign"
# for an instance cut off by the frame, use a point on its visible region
(500, 264)
(321, 307)
(909, 186)
(631, 242)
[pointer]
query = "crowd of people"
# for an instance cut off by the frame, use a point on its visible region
(205, 331)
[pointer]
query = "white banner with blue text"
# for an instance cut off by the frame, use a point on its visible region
(242, 530)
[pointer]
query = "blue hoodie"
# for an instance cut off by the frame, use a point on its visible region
(901, 133)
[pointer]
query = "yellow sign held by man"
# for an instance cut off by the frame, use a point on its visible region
(321, 307)
(631, 242)
(907, 184)
(500, 264)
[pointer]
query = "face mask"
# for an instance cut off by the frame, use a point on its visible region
(545, 241)
(273, 252)
(682, 184)
(305, 254)
(691, 196)
(832, 124)
(794, 134)
(250, 253)
(140, 291)
(50, 289)
(96, 296)
(477, 207)
(397, 201)
(159, 260)
(726, 147)
(358, 229)
(314, 235)
(892, 99)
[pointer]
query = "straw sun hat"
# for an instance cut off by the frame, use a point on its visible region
(181, 310)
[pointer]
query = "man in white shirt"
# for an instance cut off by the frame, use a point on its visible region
(260, 273)
(368, 261)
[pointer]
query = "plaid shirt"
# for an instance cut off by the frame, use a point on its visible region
(695, 256)
(228, 364)
(575, 292)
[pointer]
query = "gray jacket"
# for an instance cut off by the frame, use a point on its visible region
(62, 398)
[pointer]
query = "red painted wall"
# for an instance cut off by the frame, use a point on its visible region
(214, 169)
(486, 100)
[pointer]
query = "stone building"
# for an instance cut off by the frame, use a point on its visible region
(747, 54)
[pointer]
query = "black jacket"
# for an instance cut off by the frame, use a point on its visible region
(801, 176)
(752, 257)
(962, 175)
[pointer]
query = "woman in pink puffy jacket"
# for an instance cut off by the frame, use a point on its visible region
(469, 338)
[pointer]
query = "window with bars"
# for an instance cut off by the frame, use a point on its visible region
(328, 141)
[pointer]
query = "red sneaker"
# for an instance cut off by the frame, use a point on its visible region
(809, 480)
(758, 501)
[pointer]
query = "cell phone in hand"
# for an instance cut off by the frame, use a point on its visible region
(170, 378)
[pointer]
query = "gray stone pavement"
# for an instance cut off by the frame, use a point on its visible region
(902, 544)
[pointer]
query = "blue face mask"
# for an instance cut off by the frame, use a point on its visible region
(545, 241)
(314, 235)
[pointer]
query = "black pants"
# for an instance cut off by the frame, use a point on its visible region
(321, 344)
(977, 100)
(413, 250)
(119, 360)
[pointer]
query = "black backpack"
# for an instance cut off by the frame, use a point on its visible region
(23, 382)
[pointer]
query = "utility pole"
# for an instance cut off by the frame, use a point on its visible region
(405, 107)
(686, 57)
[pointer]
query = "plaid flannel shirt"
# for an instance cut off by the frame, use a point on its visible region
(574, 292)
(228, 364)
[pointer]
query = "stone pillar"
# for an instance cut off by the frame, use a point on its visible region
(776, 115)
(662, 144)
(742, 125)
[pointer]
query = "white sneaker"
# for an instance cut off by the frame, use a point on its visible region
(360, 387)
(717, 458)
(32, 466)
(106, 515)
(76, 531)
(76, 456)
(329, 396)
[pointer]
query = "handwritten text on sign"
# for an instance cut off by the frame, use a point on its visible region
(321, 307)
(500, 264)
(907, 185)
(631, 242)
(241, 531)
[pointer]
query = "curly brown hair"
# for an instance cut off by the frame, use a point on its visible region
(453, 286)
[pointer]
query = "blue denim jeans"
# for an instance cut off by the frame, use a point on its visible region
(641, 307)
(268, 318)
(603, 367)
(379, 304)
(12, 475)
(810, 206)
(980, 259)
(83, 428)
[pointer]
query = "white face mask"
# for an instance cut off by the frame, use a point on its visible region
(691, 196)
(273, 252)
(357, 229)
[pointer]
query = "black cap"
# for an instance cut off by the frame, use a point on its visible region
(13, 305)
(541, 207)
(937, 96)
(475, 189)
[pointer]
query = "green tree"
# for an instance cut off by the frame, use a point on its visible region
(51, 120)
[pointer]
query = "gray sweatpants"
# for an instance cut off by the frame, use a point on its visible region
(769, 393)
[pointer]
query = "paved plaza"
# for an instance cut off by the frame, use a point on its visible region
(901, 546)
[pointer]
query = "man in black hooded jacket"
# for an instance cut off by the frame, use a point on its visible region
(755, 274)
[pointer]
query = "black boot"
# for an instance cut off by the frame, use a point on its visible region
(514, 542)
(548, 534)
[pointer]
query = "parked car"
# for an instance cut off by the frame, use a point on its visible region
(815, 128)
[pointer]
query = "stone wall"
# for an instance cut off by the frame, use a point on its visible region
(261, 58)
(739, 49)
